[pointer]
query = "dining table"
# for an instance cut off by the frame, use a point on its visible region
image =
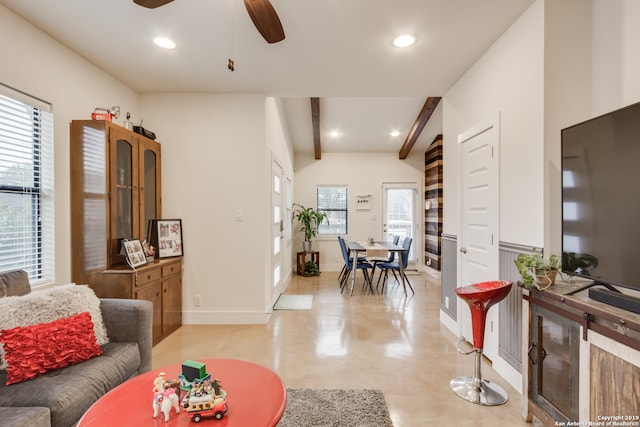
(374, 249)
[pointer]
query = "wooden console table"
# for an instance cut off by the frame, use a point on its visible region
(576, 347)
(301, 260)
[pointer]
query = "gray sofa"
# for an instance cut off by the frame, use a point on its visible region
(59, 398)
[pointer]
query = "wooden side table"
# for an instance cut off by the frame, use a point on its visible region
(301, 260)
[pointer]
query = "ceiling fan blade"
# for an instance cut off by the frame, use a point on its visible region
(152, 4)
(265, 19)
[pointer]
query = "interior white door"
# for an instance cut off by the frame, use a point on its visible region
(478, 243)
(400, 215)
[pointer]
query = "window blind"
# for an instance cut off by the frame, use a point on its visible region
(26, 186)
(333, 201)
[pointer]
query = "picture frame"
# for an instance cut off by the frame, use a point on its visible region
(363, 202)
(134, 253)
(166, 236)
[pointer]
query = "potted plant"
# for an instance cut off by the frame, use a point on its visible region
(311, 269)
(536, 270)
(309, 219)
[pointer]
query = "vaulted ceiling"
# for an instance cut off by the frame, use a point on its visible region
(338, 51)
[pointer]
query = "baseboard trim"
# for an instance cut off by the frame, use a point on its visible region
(224, 318)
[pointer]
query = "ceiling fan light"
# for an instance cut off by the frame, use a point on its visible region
(404, 40)
(164, 43)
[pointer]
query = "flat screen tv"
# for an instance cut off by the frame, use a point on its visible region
(601, 200)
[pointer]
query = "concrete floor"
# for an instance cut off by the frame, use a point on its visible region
(389, 342)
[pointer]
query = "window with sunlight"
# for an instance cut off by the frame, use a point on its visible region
(26, 185)
(332, 201)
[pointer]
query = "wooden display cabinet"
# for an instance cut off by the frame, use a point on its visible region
(115, 191)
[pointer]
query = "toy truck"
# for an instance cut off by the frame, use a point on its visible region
(203, 397)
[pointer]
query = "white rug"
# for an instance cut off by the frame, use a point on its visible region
(294, 302)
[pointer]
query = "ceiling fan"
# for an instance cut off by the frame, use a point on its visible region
(262, 14)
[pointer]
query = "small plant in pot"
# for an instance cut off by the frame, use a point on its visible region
(311, 269)
(309, 219)
(536, 270)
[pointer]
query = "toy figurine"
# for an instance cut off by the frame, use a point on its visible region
(166, 398)
(158, 383)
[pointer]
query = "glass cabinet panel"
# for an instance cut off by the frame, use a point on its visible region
(124, 190)
(554, 359)
(123, 183)
(150, 159)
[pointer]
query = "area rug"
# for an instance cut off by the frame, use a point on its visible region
(294, 302)
(335, 408)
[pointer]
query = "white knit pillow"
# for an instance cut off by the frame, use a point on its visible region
(43, 306)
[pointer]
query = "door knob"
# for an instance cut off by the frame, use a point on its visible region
(463, 250)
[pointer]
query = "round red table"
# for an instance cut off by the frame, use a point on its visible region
(256, 397)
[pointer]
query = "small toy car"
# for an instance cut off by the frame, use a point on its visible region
(206, 405)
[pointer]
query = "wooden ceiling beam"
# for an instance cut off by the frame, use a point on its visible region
(425, 114)
(315, 121)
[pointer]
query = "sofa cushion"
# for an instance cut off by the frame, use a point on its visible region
(50, 304)
(33, 350)
(70, 391)
(14, 283)
(20, 417)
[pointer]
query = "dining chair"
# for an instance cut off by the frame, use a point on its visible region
(395, 266)
(344, 271)
(350, 265)
(390, 258)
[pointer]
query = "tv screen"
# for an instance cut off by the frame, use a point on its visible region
(601, 198)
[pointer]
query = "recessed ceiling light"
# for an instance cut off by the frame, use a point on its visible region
(405, 40)
(334, 133)
(164, 43)
(395, 133)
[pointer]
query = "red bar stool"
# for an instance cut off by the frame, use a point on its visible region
(480, 297)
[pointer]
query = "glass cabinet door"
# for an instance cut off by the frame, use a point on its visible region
(124, 194)
(149, 186)
(554, 362)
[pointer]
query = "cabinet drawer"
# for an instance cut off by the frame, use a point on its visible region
(147, 276)
(171, 269)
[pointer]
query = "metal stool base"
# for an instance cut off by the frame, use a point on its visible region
(479, 391)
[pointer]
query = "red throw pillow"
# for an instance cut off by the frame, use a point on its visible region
(33, 350)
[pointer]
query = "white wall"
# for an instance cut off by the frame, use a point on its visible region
(567, 98)
(537, 76)
(507, 79)
(34, 63)
(363, 174)
(216, 166)
(616, 63)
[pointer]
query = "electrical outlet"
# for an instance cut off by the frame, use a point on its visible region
(197, 300)
(446, 301)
